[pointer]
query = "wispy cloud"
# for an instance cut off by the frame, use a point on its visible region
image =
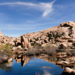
(46, 8)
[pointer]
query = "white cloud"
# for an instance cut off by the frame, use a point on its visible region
(45, 7)
(48, 8)
(46, 72)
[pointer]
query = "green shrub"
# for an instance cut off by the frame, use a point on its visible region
(35, 44)
(6, 49)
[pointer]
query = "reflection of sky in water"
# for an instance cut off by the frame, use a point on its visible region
(33, 67)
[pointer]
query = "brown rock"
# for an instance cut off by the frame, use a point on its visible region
(25, 43)
(1, 34)
(69, 70)
(62, 34)
(63, 46)
(10, 60)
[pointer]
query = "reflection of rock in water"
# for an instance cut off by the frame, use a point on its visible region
(18, 60)
(66, 73)
(51, 59)
(24, 60)
(6, 66)
(45, 72)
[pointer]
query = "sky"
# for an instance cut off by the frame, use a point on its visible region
(18, 17)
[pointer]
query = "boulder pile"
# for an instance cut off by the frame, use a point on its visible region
(62, 34)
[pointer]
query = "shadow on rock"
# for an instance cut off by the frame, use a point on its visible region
(65, 73)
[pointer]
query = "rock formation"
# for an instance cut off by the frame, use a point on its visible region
(5, 39)
(63, 34)
(1, 34)
(68, 71)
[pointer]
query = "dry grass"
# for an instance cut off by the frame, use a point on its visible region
(34, 51)
(50, 50)
(37, 50)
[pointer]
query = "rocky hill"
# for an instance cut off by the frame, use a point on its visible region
(61, 35)
(5, 39)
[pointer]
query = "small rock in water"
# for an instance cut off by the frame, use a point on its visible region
(10, 60)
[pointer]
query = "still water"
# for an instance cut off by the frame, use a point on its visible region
(34, 66)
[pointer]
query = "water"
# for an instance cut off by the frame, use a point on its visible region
(34, 66)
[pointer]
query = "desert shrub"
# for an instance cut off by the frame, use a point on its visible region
(6, 49)
(34, 51)
(49, 35)
(60, 50)
(35, 44)
(71, 52)
(55, 35)
(50, 50)
(73, 44)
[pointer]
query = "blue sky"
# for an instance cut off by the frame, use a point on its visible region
(23, 16)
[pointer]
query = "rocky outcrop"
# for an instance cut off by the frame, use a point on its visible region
(5, 39)
(25, 43)
(63, 34)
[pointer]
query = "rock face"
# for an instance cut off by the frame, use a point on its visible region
(62, 34)
(5, 39)
(24, 42)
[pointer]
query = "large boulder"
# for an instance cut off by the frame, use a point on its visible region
(1, 34)
(18, 41)
(25, 43)
(63, 34)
